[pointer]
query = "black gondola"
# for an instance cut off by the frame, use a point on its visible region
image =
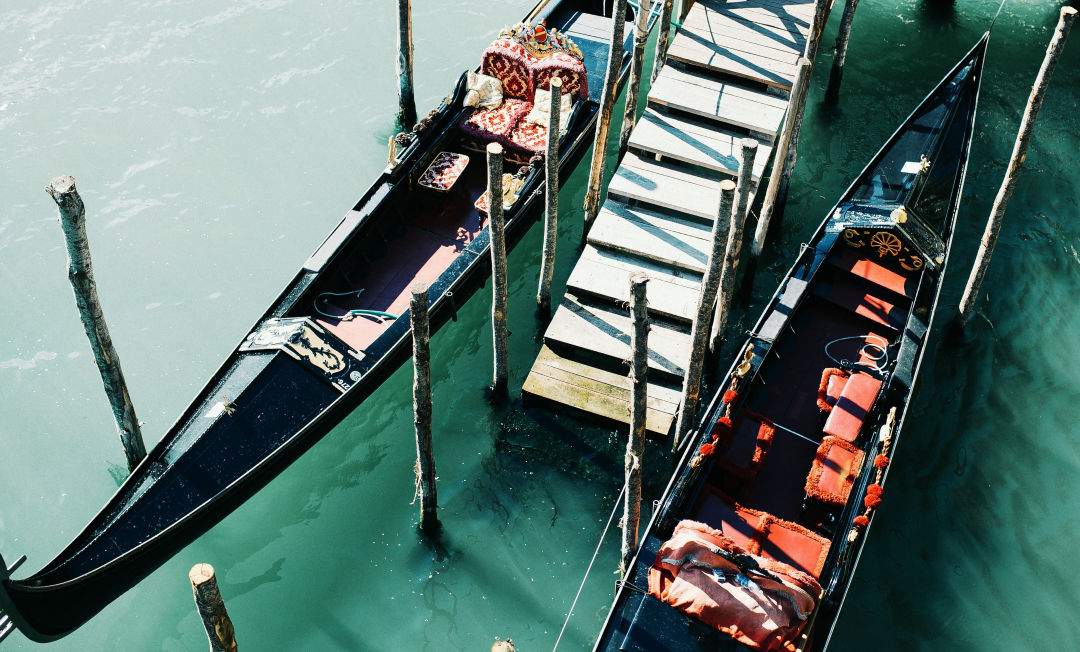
(763, 522)
(340, 327)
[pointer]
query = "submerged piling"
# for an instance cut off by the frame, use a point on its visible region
(663, 37)
(637, 61)
(798, 98)
(603, 124)
(832, 93)
(635, 445)
(81, 275)
(425, 458)
(1016, 162)
(498, 270)
(551, 196)
(211, 606)
(406, 116)
(747, 155)
(699, 331)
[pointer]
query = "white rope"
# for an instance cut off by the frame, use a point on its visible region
(876, 361)
(618, 501)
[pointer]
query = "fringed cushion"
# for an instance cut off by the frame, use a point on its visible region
(847, 416)
(569, 69)
(495, 125)
(757, 601)
(832, 383)
(833, 472)
(793, 544)
(738, 523)
(511, 63)
(751, 438)
(530, 137)
(444, 171)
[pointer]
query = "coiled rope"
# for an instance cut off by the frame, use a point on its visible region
(876, 361)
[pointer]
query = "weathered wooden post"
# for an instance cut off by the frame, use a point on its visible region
(635, 445)
(1019, 154)
(603, 124)
(406, 101)
(817, 29)
(747, 154)
(425, 458)
(637, 61)
(551, 196)
(498, 269)
(699, 332)
(81, 275)
(798, 98)
(211, 606)
(832, 93)
(663, 37)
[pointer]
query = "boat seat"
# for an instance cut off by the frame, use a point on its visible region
(740, 524)
(855, 299)
(495, 125)
(793, 544)
(745, 444)
(832, 384)
(833, 472)
(852, 262)
(847, 415)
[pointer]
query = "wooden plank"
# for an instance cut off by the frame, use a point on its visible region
(673, 294)
(750, 40)
(793, 7)
(775, 19)
(666, 186)
(662, 239)
(695, 143)
(678, 79)
(597, 391)
(605, 332)
(717, 58)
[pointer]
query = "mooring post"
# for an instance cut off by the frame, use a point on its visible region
(498, 270)
(663, 37)
(635, 445)
(699, 331)
(817, 29)
(798, 98)
(633, 88)
(603, 125)
(425, 458)
(81, 275)
(1019, 154)
(211, 606)
(406, 101)
(551, 195)
(747, 154)
(832, 93)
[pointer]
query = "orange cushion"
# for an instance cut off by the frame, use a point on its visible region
(834, 470)
(846, 418)
(793, 544)
(752, 438)
(738, 523)
(832, 384)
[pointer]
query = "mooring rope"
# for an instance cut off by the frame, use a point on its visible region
(618, 501)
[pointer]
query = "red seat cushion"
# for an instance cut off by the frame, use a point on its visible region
(750, 439)
(529, 137)
(566, 67)
(833, 471)
(832, 383)
(509, 62)
(793, 544)
(846, 418)
(738, 523)
(496, 125)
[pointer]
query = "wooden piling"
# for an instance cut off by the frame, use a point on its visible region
(747, 154)
(699, 331)
(798, 99)
(635, 445)
(832, 93)
(551, 196)
(1016, 162)
(211, 606)
(81, 275)
(817, 29)
(498, 270)
(425, 458)
(663, 37)
(406, 101)
(603, 124)
(637, 61)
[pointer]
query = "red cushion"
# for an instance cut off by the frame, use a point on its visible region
(855, 401)
(851, 261)
(834, 470)
(832, 383)
(738, 523)
(496, 125)
(569, 69)
(793, 544)
(751, 440)
(530, 137)
(510, 62)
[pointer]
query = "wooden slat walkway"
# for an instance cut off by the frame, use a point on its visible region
(726, 78)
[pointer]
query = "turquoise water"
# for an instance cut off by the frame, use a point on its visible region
(216, 147)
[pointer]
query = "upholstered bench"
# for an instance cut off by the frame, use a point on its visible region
(833, 472)
(852, 405)
(745, 444)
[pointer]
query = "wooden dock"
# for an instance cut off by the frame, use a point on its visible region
(728, 75)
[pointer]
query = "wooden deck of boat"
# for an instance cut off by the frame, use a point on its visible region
(728, 74)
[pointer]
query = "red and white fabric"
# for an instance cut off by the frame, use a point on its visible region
(496, 125)
(444, 171)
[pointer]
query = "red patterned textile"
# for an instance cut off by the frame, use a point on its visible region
(444, 171)
(530, 137)
(572, 71)
(510, 62)
(496, 125)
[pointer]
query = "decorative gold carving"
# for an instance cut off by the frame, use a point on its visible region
(885, 243)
